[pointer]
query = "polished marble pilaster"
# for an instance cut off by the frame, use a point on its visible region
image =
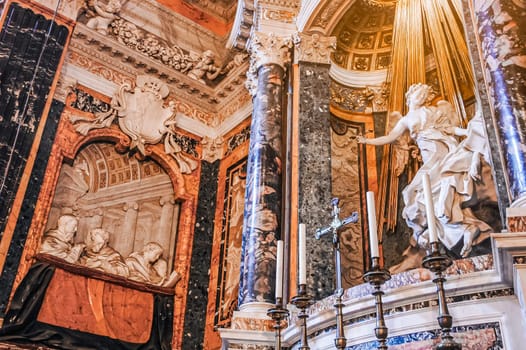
(14, 253)
(24, 90)
(198, 284)
(312, 54)
(31, 50)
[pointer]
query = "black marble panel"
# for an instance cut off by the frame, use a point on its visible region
(315, 175)
(30, 50)
(197, 295)
(28, 205)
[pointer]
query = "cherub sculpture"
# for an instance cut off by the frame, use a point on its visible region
(103, 14)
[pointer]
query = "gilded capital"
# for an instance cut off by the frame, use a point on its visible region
(313, 48)
(270, 49)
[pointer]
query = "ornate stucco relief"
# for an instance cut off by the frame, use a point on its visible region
(141, 114)
(313, 48)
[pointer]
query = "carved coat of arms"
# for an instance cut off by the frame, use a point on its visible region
(141, 115)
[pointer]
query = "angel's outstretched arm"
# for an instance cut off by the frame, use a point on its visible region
(399, 129)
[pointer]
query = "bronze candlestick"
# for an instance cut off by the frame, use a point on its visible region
(278, 314)
(302, 302)
(438, 263)
(377, 276)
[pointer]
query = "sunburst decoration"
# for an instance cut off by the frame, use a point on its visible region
(417, 22)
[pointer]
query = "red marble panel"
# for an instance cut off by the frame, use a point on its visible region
(97, 307)
(212, 339)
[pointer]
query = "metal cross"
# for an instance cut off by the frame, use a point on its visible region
(340, 342)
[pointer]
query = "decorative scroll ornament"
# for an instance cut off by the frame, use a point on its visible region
(379, 96)
(313, 48)
(141, 115)
(266, 49)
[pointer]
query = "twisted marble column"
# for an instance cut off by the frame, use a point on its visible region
(270, 56)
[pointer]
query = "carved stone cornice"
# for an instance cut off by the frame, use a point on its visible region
(161, 21)
(242, 27)
(116, 62)
(313, 48)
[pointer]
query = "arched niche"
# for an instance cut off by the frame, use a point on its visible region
(70, 149)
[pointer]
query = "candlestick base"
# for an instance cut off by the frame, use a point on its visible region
(377, 276)
(278, 314)
(437, 263)
(302, 301)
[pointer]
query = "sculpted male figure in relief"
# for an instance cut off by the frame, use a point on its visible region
(59, 241)
(100, 256)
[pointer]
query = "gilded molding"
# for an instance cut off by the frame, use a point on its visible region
(313, 48)
(328, 12)
(292, 4)
(350, 99)
(279, 15)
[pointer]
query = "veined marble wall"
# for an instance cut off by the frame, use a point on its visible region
(314, 202)
(28, 120)
(104, 206)
(349, 169)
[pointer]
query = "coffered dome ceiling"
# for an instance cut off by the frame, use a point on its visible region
(364, 37)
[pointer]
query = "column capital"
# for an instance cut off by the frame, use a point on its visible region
(131, 205)
(314, 48)
(270, 49)
(266, 49)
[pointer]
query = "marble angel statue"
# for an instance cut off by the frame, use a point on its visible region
(454, 169)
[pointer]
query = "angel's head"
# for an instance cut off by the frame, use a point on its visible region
(419, 94)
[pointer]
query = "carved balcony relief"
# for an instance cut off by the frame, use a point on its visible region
(133, 235)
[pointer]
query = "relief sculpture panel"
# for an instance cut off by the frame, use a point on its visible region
(122, 208)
